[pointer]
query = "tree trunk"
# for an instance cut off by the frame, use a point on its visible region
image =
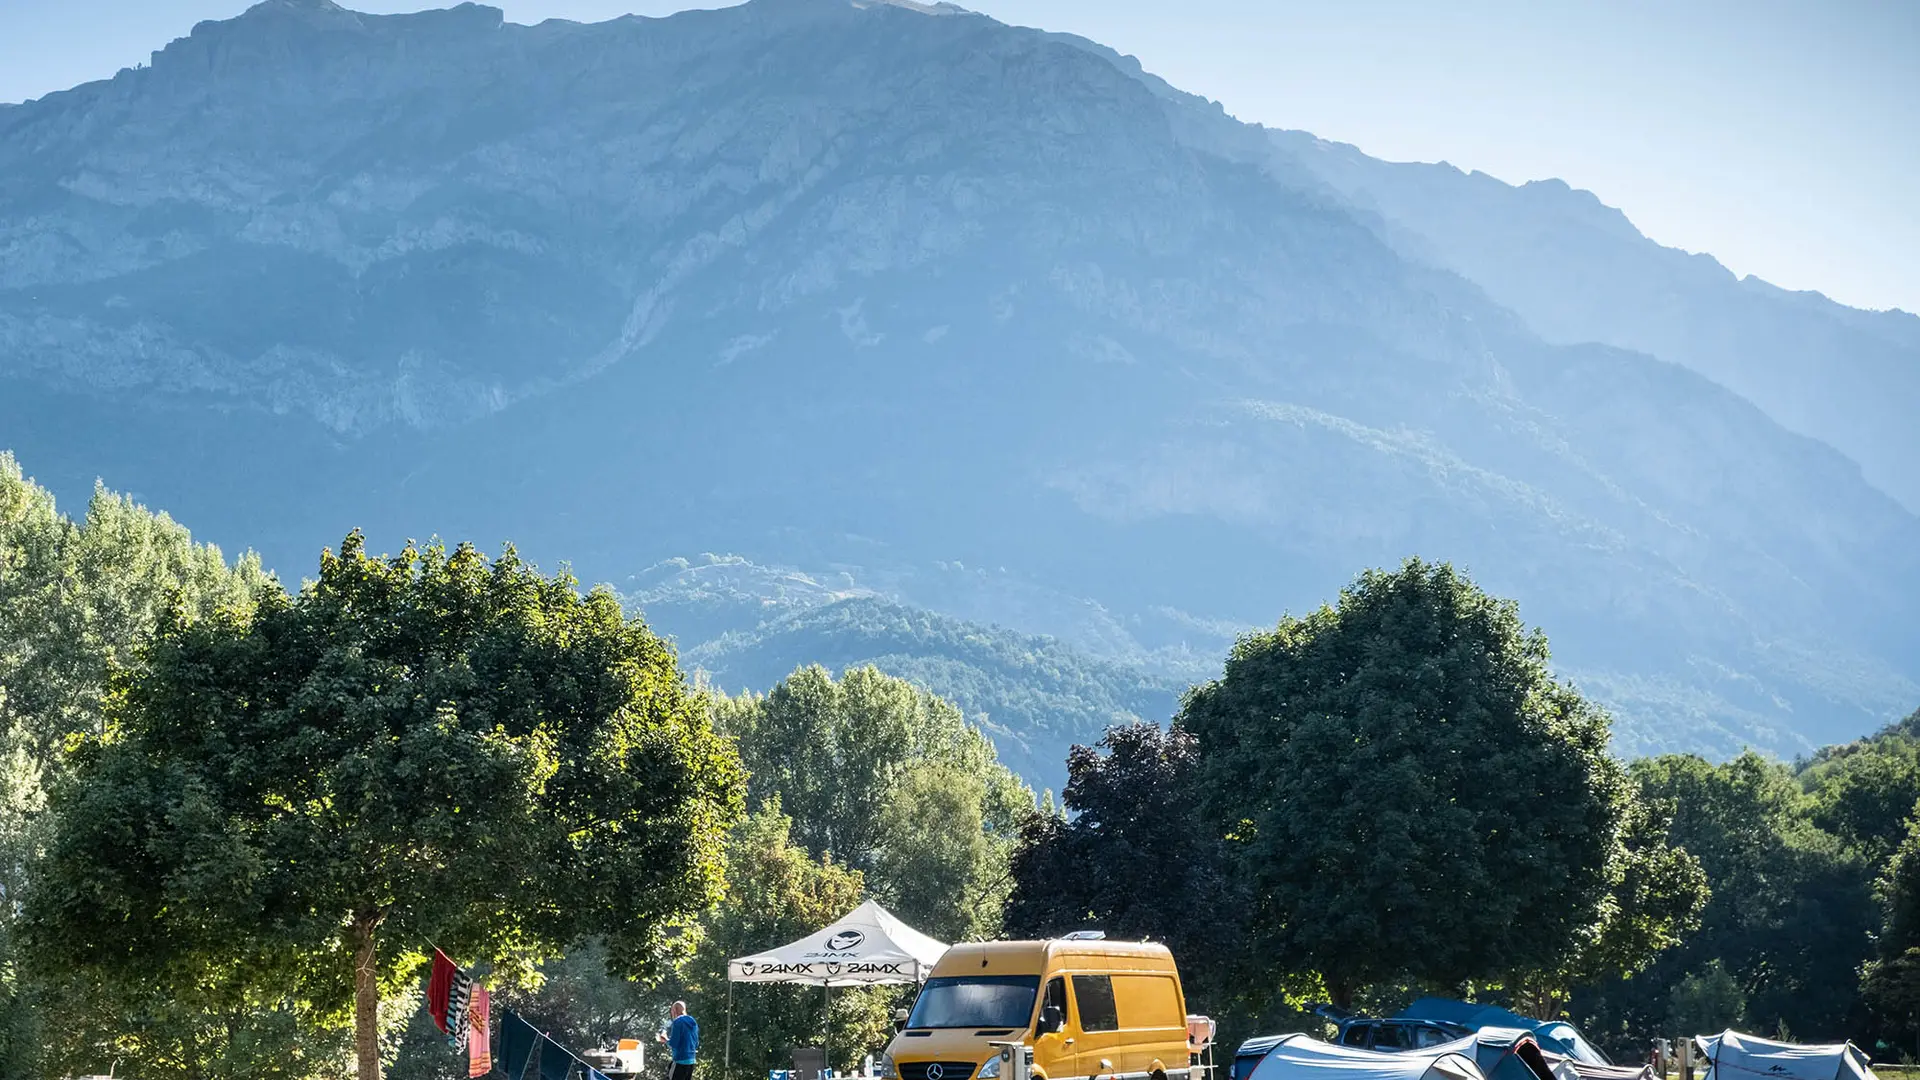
(366, 996)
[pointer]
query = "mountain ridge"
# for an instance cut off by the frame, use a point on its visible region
(837, 285)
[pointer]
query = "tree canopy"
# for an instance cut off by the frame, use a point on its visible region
(1408, 792)
(1137, 860)
(1791, 911)
(892, 781)
(81, 598)
(426, 749)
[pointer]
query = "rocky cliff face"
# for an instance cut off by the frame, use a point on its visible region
(865, 286)
(1578, 271)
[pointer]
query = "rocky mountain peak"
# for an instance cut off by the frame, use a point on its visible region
(896, 282)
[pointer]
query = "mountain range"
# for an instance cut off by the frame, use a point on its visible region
(976, 350)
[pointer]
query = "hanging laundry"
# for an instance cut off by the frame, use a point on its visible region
(519, 1047)
(447, 992)
(479, 1047)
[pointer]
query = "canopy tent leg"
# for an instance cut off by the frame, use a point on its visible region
(726, 1055)
(826, 1029)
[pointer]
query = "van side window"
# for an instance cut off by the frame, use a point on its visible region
(1355, 1035)
(1056, 995)
(1094, 995)
(1148, 1001)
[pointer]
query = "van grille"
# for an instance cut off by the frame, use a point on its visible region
(949, 1070)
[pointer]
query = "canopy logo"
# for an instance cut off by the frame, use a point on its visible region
(874, 969)
(785, 969)
(844, 940)
(746, 969)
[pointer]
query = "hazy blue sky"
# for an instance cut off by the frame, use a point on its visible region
(1782, 137)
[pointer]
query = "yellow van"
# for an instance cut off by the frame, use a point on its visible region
(1088, 1007)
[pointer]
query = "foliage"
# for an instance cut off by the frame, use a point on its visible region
(1034, 695)
(1891, 981)
(776, 892)
(889, 780)
(427, 748)
(583, 1003)
(1791, 910)
(1409, 793)
(79, 599)
(1136, 859)
(1705, 1002)
(1864, 792)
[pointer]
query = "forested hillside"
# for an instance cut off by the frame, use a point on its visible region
(1034, 696)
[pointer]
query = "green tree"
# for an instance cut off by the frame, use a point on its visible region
(776, 893)
(1864, 792)
(1890, 982)
(1706, 1002)
(1791, 913)
(427, 748)
(1407, 791)
(1138, 860)
(80, 599)
(891, 781)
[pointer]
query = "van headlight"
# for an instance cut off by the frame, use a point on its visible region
(990, 1070)
(887, 1071)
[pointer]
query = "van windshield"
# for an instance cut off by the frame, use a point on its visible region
(976, 1001)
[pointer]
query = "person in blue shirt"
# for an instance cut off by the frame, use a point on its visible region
(683, 1040)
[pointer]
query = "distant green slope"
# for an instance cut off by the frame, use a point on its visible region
(1034, 695)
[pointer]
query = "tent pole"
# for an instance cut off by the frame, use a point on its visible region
(826, 1029)
(726, 1055)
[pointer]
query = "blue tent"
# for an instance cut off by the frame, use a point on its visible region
(1554, 1036)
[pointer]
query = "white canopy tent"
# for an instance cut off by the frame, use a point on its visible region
(1733, 1056)
(1299, 1057)
(865, 947)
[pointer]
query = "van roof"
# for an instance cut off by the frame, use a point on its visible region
(1032, 957)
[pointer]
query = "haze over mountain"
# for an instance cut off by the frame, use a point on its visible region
(983, 319)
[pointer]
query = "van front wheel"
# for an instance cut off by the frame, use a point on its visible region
(1157, 1074)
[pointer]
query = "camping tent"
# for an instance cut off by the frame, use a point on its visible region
(1733, 1056)
(865, 947)
(1554, 1036)
(1299, 1057)
(1504, 1054)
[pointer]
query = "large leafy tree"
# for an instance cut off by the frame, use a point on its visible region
(1137, 859)
(431, 748)
(80, 598)
(891, 781)
(1408, 792)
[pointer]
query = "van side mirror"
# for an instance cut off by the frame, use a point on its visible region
(1051, 1020)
